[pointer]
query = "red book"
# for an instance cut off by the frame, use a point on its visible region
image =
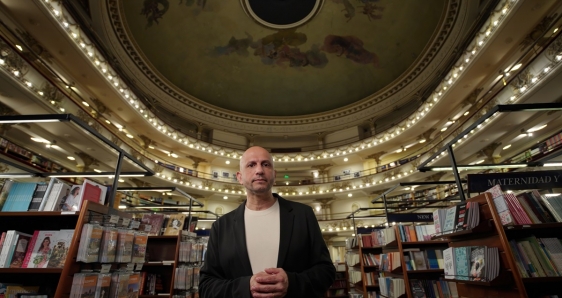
(30, 247)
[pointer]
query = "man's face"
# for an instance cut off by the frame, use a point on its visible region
(256, 171)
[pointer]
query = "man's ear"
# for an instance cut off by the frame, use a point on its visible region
(239, 177)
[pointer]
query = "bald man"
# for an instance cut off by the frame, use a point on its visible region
(268, 246)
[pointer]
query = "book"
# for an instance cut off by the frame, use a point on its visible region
(139, 247)
(37, 198)
(61, 244)
(175, 224)
(108, 248)
(5, 191)
(155, 221)
(449, 262)
(72, 201)
(20, 249)
(57, 197)
(450, 216)
(90, 242)
(91, 191)
(40, 249)
(478, 263)
(460, 220)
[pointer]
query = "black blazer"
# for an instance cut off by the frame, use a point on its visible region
(302, 254)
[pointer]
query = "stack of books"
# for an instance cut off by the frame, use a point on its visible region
(434, 288)
(463, 216)
(392, 287)
(474, 263)
(416, 259)
(526, 207)
(411, 233)
(537, 257)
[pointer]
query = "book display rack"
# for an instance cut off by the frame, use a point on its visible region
(95, 248)
(52, 281)
(512, 243)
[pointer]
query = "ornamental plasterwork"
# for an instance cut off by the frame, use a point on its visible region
(197, 111)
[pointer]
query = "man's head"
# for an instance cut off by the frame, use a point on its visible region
(256, 171)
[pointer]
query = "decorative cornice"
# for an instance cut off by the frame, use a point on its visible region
(197, 111)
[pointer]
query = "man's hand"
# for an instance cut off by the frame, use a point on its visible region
(273, 282)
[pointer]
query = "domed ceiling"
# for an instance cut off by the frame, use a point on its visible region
(349, 51)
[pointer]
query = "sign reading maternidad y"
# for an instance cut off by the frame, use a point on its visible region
(514, 180)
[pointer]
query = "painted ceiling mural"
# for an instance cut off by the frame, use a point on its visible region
(215, 52)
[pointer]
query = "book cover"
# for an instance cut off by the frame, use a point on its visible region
(88, 286)
(155, 221)
(60, 249)
(449, 262)
(92, 191)
(5, 191)
(20, 249)
(460, 221)
(103, 286)
(478, 263)
(37, 198)
(419, 260)
(175, 224)
(462, 262)
(503, 210)
(139, 247)
(450, 216)
(41, 250)
(109, 245)
(70, 202)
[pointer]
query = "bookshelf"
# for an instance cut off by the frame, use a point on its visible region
(490, 233)
(52, 281)
(396, 267)
(340, 287)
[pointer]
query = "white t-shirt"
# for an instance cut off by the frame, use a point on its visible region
(262, 237)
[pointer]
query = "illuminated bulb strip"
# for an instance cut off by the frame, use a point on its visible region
(59, 11)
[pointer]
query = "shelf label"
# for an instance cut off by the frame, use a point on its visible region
(67, 212)
(147, 228)
(130, 266)
(105, 268)
(126, 222)
(114, 219)
(167, 263)
(138, 267)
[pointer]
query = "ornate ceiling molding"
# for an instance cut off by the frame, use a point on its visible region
(446, 38)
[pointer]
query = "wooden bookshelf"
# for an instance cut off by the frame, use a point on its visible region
(490, 233)
(341, 282)
(57, 282)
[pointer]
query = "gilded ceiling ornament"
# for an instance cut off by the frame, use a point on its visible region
(313, 188)
(51, 93)
(87, 160)
(158, 168)
(100, 107)
(537, 35)
(116, 140)
(35, 47)
(488, 151)
(13, 60)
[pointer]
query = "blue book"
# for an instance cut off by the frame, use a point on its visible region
(432, 259)
(462, 262)
(11, 197)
